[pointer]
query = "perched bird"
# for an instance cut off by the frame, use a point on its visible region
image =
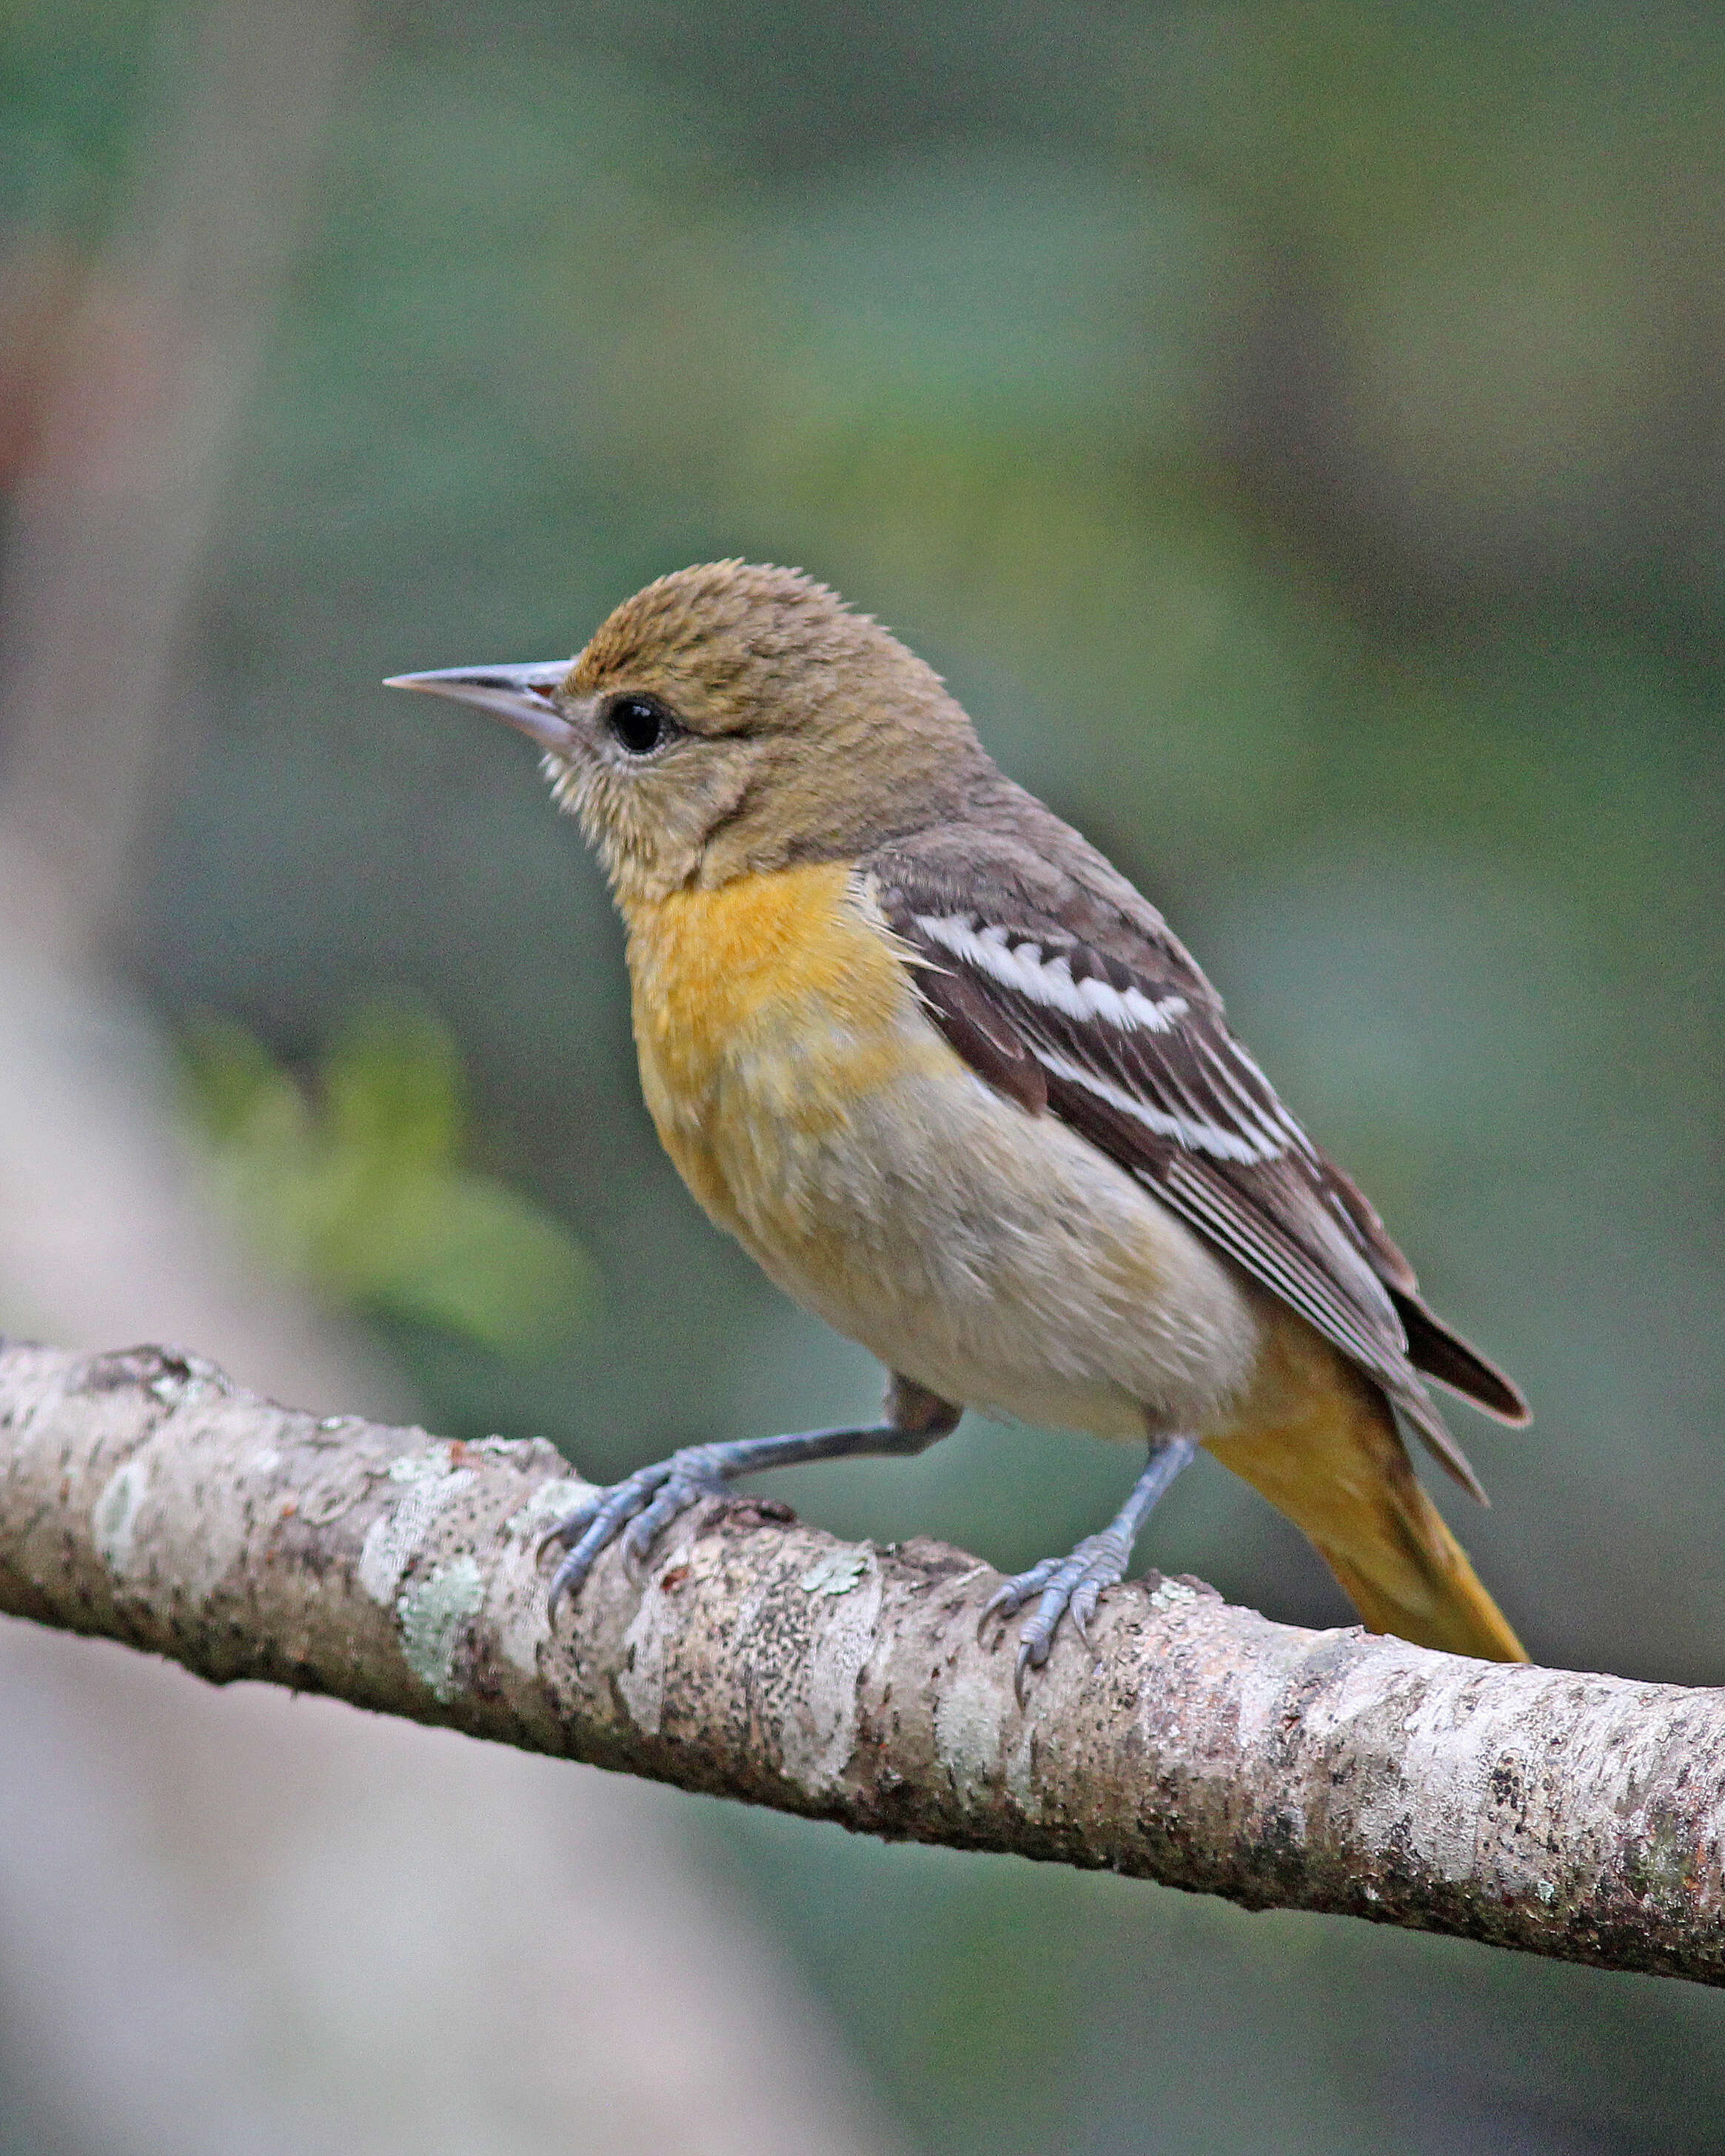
(958, 1088)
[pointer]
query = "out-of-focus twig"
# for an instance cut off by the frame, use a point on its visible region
(118, 483)
(119, 493)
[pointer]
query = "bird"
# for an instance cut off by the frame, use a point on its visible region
(957, 1088)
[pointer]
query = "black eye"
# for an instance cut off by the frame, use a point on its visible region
(639, 724)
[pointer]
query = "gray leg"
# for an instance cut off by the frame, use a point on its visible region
(1070, 1585)
(652, 1497)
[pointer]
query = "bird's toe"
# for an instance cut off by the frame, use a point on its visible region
(1069, 1587)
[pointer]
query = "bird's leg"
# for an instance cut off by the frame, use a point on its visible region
(1070, 1585)
(652, 1497)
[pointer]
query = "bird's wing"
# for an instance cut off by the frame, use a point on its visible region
(1134, 1053)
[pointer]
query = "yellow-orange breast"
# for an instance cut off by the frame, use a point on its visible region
(764, 1011)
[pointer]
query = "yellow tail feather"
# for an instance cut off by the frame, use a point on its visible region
(1334, 1463)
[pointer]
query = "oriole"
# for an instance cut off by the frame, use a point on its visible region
(955, 1086)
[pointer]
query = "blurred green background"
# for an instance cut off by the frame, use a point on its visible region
(1297, 432)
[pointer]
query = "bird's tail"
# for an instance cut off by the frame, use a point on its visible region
(1339, 1469)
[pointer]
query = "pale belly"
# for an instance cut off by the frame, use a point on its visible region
(1001, 1261)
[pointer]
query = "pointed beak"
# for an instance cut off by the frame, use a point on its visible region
(520, 694)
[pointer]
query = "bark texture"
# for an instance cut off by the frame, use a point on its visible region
(144, 1496)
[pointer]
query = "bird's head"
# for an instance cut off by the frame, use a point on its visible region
(732, 718)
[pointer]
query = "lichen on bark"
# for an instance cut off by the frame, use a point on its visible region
(145, 1497)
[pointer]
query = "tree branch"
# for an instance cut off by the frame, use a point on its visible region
(145, 1498)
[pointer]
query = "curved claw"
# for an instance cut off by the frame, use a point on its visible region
(649, 1498)
(1069, 1587)
(1072, 1586)
(563, 1581)
(594, 1523)
(569, 1530)
(1012, 1594)
(1001, 1602)
(1027, 1659)
(674, 1495)
(569, 1574)
(1083, 1606)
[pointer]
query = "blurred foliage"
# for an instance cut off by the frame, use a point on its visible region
(1293, 428)
(358, 1184)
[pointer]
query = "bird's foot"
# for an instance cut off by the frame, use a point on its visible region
(636, 1508)
(1071, 1586)
(1068, 1587)
(652, 1497)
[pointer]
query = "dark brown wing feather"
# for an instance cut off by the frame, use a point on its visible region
(1135, 1053)
(1442, 1353)
(985, 1038)
(1433, 1346)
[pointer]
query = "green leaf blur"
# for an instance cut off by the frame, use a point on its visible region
(357, 1183)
